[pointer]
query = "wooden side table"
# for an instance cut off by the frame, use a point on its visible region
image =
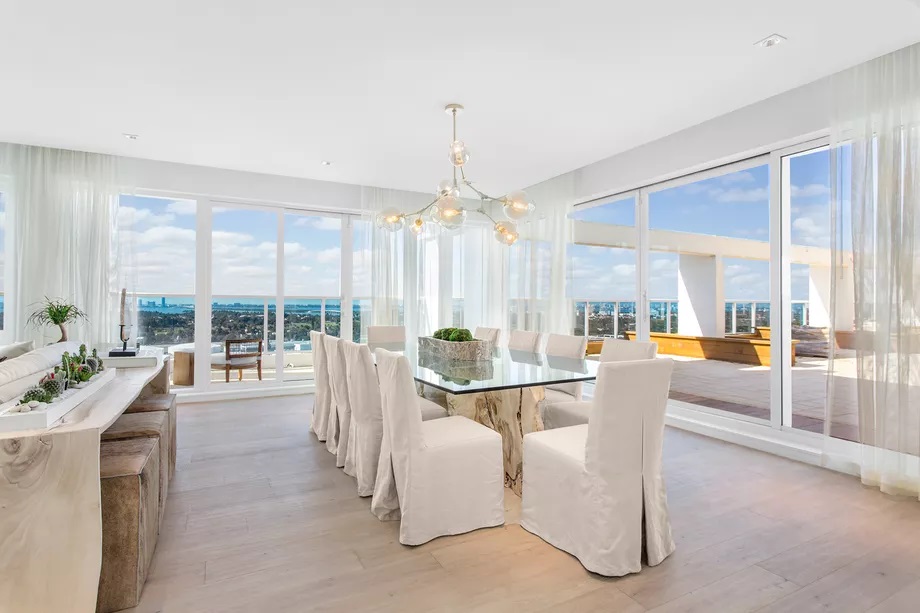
(184, 367)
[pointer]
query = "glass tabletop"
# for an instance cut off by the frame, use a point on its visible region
(507, 369)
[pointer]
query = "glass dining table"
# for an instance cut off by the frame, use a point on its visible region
(503, 393)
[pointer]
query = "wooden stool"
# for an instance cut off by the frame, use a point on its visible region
(160, 402)
(153, 425)
(129, 472)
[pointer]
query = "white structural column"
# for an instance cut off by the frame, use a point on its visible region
(700, 295)
(819, 298)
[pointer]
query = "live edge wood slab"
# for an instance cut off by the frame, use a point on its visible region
(50, 512)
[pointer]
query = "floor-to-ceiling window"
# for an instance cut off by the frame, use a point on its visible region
(825, 289)
(743, 269)
(157, 262)
(244, 287)
(709, 286)
(602, 282)
(312, 286)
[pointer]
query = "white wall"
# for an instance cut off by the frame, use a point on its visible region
(790, 117)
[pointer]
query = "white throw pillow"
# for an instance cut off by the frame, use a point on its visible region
(15, 350)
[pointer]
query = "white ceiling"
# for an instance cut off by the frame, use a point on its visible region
(277, 86)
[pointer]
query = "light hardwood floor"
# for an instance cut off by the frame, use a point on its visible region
(259, 519)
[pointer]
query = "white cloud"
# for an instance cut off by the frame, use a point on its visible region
(737, 177)
(811, 190)
(327, 256)
(736, 194)
(129, 216)
(319, 223)
(182, 207)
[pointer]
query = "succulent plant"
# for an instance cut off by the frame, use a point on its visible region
(92, 363)
(36, 393)
(96, 357)
(81, 374)
(55, 387)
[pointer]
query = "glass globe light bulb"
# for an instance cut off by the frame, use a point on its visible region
(447, 188)
(458, 154)
(391, 219)
(448, 213)
(417, 227)
(506, 233)
(517, 206)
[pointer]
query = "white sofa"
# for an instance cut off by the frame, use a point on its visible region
(22, 372)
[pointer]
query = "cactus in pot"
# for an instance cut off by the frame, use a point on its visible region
(52, 384)
(36, 394)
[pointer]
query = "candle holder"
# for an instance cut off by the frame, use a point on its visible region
(124, 352)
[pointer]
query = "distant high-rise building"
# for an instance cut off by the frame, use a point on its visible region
(163, 302)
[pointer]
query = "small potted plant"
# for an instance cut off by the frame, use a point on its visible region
(56, 312)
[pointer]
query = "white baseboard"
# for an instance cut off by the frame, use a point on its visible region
(834, 454)
(244, 393)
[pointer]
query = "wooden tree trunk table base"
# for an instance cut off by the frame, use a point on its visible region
(512, 413)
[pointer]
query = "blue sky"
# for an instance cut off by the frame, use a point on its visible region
(733, 205)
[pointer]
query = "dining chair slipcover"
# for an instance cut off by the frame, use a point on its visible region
(619, 350)
(565, 346)
(386, 334)
(337, 430)
(322, 397)
(488, 334)
(448, 472)
(565, 413)
(522, 340)
(596, 491)
(385, 503)
(366, 417)
(332, 421)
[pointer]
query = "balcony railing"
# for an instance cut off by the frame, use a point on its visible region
(611, 317)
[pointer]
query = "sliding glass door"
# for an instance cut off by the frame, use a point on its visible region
(244, 294)
(709, 286)
(741, 270)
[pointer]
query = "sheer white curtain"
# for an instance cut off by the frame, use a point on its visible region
(64, 206)
(404, 269)
(876, 149)
(539, 264)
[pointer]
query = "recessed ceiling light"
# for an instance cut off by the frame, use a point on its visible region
(771, 41)
(326, 163)
(129, 136)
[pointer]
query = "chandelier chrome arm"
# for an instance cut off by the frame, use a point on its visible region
(446, 209)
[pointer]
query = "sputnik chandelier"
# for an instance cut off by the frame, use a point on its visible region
(447, 210)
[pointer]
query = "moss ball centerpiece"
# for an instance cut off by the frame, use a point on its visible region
(455, 344)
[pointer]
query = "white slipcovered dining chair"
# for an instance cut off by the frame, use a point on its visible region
(619, 350)
(448, 472)
(358, 391)
(366, 435)
(322, 397)
(386, 334)
(564, 346)
(332, 420)
(596, 491)
(492, 335)
(522, 340)
(576, 412)
(340, 420)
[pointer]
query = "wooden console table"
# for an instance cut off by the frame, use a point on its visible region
(51, 520)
